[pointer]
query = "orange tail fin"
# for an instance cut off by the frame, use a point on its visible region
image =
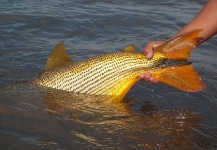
(182, 77)
(180, 46)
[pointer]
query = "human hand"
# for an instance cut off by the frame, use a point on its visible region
(148, 50)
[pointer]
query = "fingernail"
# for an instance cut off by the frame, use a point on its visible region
(147, 52)
(149, 56)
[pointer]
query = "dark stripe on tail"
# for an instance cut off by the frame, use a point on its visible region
(172, 62)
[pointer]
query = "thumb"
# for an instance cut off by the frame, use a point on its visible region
(148, 50)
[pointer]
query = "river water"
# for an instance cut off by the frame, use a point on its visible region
(152, 116)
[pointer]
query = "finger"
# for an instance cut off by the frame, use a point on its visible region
(155, 44)
(148, 50)
(141, 76)
(147, 76)
(150, 54)
(153, 80)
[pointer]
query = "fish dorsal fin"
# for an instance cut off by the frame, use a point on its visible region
(129, 48)
(58, 57)
(180, 47)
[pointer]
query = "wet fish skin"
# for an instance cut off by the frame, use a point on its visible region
(101, 75)
(113, 74)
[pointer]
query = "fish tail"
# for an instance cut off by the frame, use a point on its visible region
(180, 46)
(183, 77)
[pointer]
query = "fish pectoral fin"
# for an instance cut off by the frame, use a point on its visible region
(182, 77)
(129, 48)
(58, 57)
(180, 47)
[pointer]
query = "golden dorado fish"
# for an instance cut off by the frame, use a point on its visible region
(113, 74)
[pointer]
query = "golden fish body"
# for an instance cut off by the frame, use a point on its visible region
(110, 74)
(113, 74)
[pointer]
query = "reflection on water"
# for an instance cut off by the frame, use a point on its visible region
(150, 117)
(55, 119)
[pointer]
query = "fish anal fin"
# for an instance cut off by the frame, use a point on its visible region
(120, 89)
(126, 87)
(58, 57)
(180, 47)
(129, 48)
(182, 77)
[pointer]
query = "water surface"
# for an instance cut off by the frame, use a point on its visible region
(151, 116)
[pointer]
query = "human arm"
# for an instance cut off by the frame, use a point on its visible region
(206, 19)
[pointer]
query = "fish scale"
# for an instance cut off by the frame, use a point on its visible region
(113, 74)
(95, 78)
(101, 74)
